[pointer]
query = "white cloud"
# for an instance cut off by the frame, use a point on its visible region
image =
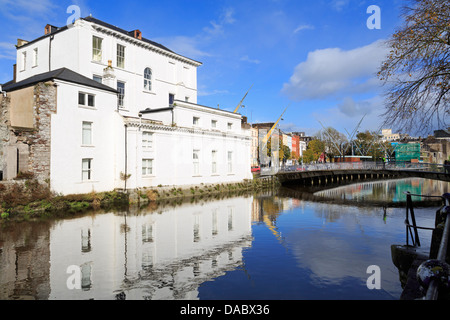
(347, 114)
(304, 27)
(217, 28)
(187, 46)
(338, 5)
(247, 59)
(334, 72)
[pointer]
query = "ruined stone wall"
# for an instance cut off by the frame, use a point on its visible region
(4, 132)
(31, 145)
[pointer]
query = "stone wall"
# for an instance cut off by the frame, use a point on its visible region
(28, 148)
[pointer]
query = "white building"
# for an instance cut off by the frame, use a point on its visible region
(99, 108)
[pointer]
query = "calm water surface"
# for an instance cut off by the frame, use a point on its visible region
(266, 246)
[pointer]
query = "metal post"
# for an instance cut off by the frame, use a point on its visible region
(432, 292)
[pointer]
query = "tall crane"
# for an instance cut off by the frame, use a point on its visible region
(240, 103)
(269, 134)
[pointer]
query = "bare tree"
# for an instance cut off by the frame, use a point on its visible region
(416, 73)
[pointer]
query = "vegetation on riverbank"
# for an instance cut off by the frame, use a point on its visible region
(29, 200)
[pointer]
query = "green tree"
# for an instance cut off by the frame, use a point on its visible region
(315, 148)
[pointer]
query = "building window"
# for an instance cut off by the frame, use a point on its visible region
(147, 167)
(148, 79)
(97, 49)
(35, 57)
(213, 123)
(86, 170)
(171, 99)
(196, 162)
(121, 95)
(214, 162)
(196, 121)
(120, 56)
(87, 133)
(85, 99)
(229, 126)
(147, 140)
(230, 161)
(24, 61)
(99, 79)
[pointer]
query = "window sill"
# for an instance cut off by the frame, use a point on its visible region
(86, 107)
(87, 146)
(98, 62)
(149, 92)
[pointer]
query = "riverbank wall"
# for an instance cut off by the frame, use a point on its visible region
(26, 200)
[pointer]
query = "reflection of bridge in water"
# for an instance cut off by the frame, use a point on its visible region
(326, 173)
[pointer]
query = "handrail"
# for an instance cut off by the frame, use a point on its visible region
(432, 292)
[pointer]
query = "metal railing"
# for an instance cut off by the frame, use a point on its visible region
(412, 232)
(411, 227)
(433, 289)
(366, 165)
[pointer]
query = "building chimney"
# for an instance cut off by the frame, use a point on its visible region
(109, 76)
(49, 29)
(137, 34)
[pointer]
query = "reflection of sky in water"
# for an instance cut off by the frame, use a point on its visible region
(253, 247)
(390, 190)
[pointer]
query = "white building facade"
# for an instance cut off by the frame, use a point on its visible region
(125, 114)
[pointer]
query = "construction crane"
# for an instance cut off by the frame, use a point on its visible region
(240, 103)
(269, 134)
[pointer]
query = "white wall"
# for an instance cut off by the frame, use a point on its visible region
(66, 141)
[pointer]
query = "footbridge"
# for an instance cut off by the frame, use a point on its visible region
(326, 173)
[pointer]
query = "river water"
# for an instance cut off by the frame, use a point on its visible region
(287, 244)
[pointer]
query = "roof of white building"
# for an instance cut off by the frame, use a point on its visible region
(55, 30)
(59, 74)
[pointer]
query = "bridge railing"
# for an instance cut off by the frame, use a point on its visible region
(367, 165)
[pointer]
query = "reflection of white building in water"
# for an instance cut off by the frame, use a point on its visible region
(164, 255)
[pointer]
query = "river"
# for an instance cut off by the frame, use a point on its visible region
(290, 244)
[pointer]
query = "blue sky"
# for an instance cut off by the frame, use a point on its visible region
(319, 57)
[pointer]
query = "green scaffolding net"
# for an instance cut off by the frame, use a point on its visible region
(407, 151)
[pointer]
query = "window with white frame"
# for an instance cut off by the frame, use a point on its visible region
(230, 125)
(214, 162)
(148, 79)
(147, 167)
(120, 56)
(213, 124)
(97, 49)
(87, 133)
(171, 99)
(86, 169)
(147, 140)
(23, 61)
(196, 162)
(196, 121)
(230, 161)
(86, 99)
(121, 95)
(35, 57)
